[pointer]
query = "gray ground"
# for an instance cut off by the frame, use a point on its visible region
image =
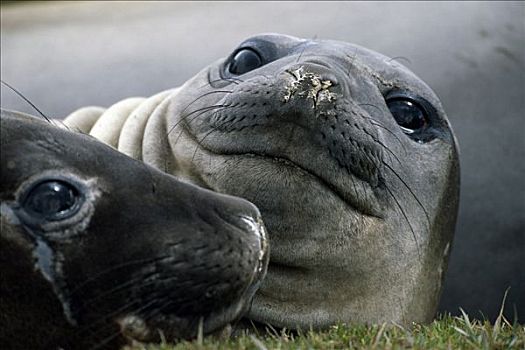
(66, 55)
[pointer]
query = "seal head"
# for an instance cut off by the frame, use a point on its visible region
(352, 162)
(97, 247)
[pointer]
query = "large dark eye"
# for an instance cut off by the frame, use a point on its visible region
(410, 116)
(52, 200)
(244, 61)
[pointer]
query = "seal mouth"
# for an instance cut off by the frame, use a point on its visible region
(275, 145)
(255, 227)
(365, 205)
(290, 163)
(173, 327)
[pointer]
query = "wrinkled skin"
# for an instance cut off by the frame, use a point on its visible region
(360, 212)
(138, 254)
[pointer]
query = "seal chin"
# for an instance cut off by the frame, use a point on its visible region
(135, 327)
(186, 323)
(172, 321)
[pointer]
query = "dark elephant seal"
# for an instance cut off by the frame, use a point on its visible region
(348, 155)
(97, 248)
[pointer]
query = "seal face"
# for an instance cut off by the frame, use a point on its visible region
(352, 162)
(96, 247)
(348, 155)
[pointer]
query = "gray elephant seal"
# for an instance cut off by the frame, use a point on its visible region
(348, 155)
(97, 248)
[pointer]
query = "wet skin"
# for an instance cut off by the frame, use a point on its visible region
(97, 248)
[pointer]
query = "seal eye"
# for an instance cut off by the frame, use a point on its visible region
(418, 118)
(52, 200)
(408, 114)
(245, 60)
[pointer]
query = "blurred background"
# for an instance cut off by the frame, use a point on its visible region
(64, 55)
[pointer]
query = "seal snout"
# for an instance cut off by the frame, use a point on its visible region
(302, 115)
(247, 220)
(311, 84)
(109, 255)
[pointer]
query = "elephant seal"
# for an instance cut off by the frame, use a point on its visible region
(97, 248)
(347, 154)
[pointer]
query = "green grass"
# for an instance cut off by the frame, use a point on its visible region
(445, 333)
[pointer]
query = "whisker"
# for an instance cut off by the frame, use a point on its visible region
(92, 329)
(304, 48)
(203, 109)
(115, 289)
(113, 313)
(204, 95)
(401, 208)
(110, 270)
(388, 150)
(408, 221)
(301, 54)
(373, 122)
(383, 145)
(26, 99)
(376, 123)
(352, 59)
(399, 58)
(198, 115)
(108, 339)
(199, 143)
(232, 80)
(410, 190)
(167, 304)
(54, 121)
(105, 341)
